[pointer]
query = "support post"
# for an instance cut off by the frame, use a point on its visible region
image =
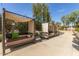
(3, 32)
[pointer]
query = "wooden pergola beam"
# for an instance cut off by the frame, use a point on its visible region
(16, 18)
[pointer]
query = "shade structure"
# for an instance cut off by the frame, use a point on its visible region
(16, 18)
(7, 15)
(19, 19)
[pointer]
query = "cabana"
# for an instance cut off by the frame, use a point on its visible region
(16, 18)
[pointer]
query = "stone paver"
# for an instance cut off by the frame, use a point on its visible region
(57, 46)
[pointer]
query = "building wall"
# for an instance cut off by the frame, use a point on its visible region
(45, 27)
(31, 26)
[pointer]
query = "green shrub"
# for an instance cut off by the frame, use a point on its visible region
(15, 35)
(77, 29)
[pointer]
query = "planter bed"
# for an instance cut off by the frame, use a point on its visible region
(20, 38)
(19, 42)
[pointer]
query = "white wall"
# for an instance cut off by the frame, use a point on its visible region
(44, 27)
(31, 27)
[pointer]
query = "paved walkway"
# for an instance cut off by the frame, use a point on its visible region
(57, 46)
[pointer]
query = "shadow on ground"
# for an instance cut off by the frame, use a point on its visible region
(31, 43)
(75, 43)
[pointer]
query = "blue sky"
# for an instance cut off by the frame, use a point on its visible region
(57, 10)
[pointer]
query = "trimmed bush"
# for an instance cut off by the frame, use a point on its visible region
(15, 35)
